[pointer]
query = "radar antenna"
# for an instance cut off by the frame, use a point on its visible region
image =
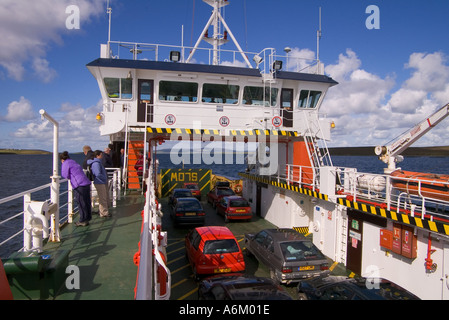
(217, 39)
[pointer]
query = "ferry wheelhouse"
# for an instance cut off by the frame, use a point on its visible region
(154, 93)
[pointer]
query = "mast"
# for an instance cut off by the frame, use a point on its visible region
(109, 12)
(217, 39)
(318, 38)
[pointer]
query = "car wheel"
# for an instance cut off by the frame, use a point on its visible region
(226, 218)
(302, 296)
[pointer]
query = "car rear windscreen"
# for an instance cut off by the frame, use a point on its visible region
(220, 246)
(300, 250)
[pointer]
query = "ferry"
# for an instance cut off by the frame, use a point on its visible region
(393, 225)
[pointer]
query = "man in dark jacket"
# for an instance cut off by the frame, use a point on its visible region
(89, 156)
(100, 183)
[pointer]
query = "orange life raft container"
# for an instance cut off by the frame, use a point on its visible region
(429, 185)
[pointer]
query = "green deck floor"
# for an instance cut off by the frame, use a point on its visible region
(103, 252)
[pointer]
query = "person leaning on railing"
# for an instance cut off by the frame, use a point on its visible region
(100, 183)
(71, 170)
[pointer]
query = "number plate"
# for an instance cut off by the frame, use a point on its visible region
(240, 210)
(190, 213)
(222, 270)
(305, 268)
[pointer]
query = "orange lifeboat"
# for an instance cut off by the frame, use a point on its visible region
(429, 185)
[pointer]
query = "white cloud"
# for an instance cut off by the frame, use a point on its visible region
(21, 110)
(77, 127)
(367, 111)
(358, 91)
(42, 70)
(29, 27)
(431, 73)
(299, 60)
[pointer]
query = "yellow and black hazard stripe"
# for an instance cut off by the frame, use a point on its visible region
(434, 226)
(284, 185)
(217, 132)
(302, 230)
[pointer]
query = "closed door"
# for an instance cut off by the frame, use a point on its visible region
(145, 103)
(287, 107)
(355, 242)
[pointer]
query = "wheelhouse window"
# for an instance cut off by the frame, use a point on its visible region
(178, 91)
(220, 93)
(309, 98)
(260, 96)
(119, 88)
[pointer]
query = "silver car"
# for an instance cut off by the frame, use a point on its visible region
(289, 255)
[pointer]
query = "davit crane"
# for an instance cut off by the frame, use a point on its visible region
(390, 154)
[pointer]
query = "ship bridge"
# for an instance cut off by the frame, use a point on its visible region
(170, 95)
(156, 86)
(153, 92)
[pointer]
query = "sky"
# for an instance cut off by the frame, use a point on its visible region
(392, 64)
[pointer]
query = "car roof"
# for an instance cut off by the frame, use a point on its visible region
(181, 189)
(234, 198)
(359, 284)
(215, 232)
(187, 199)
(284, 234)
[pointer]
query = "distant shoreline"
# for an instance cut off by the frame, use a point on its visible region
(410, 152)
(24, 151)
(338, 151)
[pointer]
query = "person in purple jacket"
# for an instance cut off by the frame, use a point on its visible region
(71, 170)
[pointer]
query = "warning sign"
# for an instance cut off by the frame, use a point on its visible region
(170, 119)
(224, 121)
(276, 121)
(175, 178)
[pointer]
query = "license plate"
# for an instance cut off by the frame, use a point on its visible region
(190, 213)
(221, 270)
(240, 210)
(305, 268)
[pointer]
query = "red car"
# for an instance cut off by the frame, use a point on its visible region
(193, 187)
(215, 195)
(213, 250)
(234, 207)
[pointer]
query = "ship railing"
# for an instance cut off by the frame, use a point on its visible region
(404, 195)
(293, 60)
(301, 175)
(11, 203)
(11, 228)
(115, 184)
(153, 275)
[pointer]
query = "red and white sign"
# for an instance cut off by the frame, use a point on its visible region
(170, 119)
(276, 121)
(224, 121)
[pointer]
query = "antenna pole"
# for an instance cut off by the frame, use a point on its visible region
(109, 12)
(318, 37)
